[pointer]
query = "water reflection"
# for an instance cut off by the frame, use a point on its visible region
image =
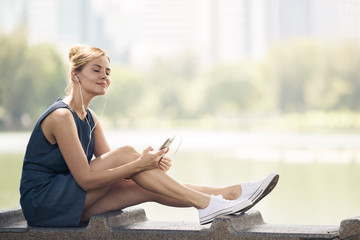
(311, 193)
(319, 173)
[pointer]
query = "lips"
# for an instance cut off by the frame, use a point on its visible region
(102, 84)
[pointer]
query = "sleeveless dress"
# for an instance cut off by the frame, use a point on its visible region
(49, 194)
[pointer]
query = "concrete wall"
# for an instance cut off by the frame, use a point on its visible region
(132, 223)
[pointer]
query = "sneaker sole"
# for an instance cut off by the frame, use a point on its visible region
(236, 208)
(266, 187)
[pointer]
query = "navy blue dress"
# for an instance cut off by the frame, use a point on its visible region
(50, 196)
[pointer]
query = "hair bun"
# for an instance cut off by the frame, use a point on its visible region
(75, 50)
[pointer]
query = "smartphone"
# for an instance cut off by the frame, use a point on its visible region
(167, 143)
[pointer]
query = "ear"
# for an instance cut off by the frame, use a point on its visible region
(74, 77)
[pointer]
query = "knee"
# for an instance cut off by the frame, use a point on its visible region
(128, 151)
(115, 158)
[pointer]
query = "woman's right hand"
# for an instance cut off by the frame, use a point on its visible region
(149, 160)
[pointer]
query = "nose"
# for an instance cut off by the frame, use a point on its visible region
(104, 76)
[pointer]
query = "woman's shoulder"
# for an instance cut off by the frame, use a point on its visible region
(60, 115)
(55, 122)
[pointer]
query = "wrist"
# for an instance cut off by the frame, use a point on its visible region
(137, 165)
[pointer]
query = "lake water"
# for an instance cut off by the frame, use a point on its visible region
(319, 173)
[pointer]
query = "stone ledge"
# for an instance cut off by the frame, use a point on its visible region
(350, 228)
(12, 220)
(132, 223)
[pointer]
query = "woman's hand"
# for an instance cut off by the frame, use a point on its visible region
(164, 164)
(150, 160)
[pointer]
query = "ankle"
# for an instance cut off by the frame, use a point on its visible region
(203, 202)
(233, 192)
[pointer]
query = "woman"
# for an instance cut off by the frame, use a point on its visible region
(70, 173)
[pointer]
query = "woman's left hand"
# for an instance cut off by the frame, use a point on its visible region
(164, 164)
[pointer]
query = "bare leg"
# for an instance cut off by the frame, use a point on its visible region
(153, 185)
(157, 181)
(125, 194)
(229, 192)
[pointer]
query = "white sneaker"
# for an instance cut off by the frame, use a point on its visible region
(255, 191)
(219, 206)
(248, 189)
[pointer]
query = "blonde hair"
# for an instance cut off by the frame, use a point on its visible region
(78, 57)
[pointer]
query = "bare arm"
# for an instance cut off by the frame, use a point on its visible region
(70, 147)
(102, 147)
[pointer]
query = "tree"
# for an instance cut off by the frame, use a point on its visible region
(31, 78)
(231, 88)
(290, 67)
(125, 92)
(306, 75)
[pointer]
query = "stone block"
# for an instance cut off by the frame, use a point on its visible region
(12, 220)
(132, 223)
(350, 228)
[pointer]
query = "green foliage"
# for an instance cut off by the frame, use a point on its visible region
(125, 93)
(168, 80)
(31, 78)
(230, 88)
(10, 174)
(311, 76)
(296, 77)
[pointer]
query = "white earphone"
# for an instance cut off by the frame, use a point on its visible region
(82, 99)
(84, 111)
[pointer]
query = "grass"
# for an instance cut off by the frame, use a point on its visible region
(10, 174)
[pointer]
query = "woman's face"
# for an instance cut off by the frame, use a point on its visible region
(95, 76)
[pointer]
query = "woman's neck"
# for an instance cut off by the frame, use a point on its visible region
(77, 105)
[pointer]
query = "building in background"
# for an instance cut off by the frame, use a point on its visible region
(63, 23)
(12, 14)
(139, 31)
(349, 18)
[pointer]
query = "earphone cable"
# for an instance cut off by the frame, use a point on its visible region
(86, 119)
